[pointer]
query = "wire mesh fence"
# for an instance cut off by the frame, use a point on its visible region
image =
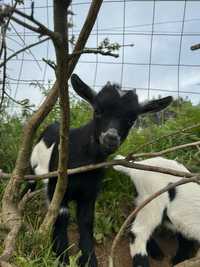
(159, 63)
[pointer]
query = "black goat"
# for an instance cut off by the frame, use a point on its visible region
(115, 112)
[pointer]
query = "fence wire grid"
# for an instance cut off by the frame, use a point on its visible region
(160, 62)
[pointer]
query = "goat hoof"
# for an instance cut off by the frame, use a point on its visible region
(176, 260)
(154, 250)
(89, 261)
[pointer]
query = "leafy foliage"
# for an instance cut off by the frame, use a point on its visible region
(116, 198)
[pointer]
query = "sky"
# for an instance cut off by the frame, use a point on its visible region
(156, 63)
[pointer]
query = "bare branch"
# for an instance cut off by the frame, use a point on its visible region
(4, 73)
(50, 63)
(9, 242)
(85, 32)
(22, 50)
(4, 48)
(160, 153)
(123, 162)
(195, 47)
(5, 27)
(32, 9)
(154, 141)
(41, 29)
(95, 51)
(141, 206)
(61, 49)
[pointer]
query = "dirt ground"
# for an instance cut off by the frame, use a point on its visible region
(122, 256)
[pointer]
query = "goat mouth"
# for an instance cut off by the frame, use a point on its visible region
(110, 147)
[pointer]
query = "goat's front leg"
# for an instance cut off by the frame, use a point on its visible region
(146, 221)
(85, 218)
(60, 239)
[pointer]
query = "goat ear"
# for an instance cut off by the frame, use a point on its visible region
(82, 89)
(155, 105)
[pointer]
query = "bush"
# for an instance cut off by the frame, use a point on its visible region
(115, 200)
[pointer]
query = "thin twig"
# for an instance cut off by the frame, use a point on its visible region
(18, 103)
(4, 74)
(26, 25)
(4, 47)
(41, 29)
(91, 167)
(182, 130)
(49, 63)
(22, 50)
(195, 47)
(5, 27)
(165, 151)
(94, 51)
(123, 162)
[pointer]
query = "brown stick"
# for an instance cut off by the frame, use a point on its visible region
(106, 164)
(195, 47)
(122, 163)
(41, 29)
(22, 50)
(174, 133)
(95, 51)
(61, 49)
(141, 206)
(165, 151)
(9, 242)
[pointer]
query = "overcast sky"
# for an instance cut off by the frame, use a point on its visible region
(125, 22)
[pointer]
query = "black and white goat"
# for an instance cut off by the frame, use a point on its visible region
(115, 112)
(178, 210)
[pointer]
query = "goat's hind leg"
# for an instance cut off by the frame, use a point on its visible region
(60, 238)
(144, 225)
(186, 249)
(154, 250)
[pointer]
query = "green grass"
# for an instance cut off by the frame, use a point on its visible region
(116, 198)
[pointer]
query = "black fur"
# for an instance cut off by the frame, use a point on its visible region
(131, 237)
(140, 261)
(86, 147)
(165, 218)
(154, 250)
(172, 193)
(186, 249)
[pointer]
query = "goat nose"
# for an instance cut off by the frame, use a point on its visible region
(112, 137)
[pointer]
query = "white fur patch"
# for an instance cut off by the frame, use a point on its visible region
(111, 131)
(40, 158)
(138, 247)
(122, 93)
(183, 211)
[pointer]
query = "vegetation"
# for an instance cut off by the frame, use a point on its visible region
(117, 193)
